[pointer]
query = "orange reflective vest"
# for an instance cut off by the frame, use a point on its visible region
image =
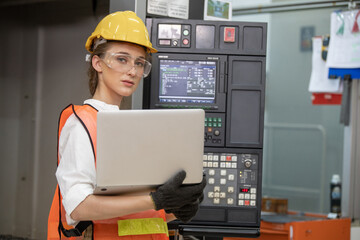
(147, 225)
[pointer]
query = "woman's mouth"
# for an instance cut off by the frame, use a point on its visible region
(128, 83)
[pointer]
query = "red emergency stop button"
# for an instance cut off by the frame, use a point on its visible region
(185, 41)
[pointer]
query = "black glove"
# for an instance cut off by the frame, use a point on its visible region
(187, 212)
(173, 194)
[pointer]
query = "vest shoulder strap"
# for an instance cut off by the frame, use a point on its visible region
(86, 114)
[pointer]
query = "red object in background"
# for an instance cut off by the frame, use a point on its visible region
(229, 34)
(326, 98)
(317, 229)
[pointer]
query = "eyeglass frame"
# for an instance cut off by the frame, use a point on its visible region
(108, 63)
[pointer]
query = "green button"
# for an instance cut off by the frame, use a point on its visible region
(219, 125)
(215, 124)
(219, 119)
(206, 119)
(205, 124)
(210, 124)
(210, 119)
(215, 119)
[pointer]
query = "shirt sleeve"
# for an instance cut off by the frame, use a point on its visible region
(76, 174)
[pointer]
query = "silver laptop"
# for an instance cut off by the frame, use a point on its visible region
(141, 149)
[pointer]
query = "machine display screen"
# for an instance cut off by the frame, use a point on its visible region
(187, 81)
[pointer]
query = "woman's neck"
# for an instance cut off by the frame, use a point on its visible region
(108, 98)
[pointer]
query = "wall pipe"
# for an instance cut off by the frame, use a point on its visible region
(294, 6)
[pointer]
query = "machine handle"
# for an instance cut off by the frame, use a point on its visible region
(212, 231)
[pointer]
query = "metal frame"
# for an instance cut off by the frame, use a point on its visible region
(351, 163)
(294, 6)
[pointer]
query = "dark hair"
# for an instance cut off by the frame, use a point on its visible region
(93, 74)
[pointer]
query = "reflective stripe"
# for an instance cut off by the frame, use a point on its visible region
(142, 226)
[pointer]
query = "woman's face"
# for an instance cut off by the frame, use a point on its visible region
(120, 71)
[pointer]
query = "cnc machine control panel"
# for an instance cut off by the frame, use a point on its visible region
(232, 179)
(219, 67)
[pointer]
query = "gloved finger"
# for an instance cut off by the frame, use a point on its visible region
(195, 189)
(177, 180)
(201, 198)
(189, 207)
(186, 213)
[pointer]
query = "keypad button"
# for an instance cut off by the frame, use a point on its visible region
(230, 189)
(252, 196)
(222, 181)
(222, 172)
(222, 165)
(215, 164)
(230, 201)
(216, 194)
(233, 165)
(247, 203)
(234, 158)
(231, 177)
(228, 165)
(216, 189)
(241, 202)
(210, 157)
(241, 196)
(247, 196)
(222, 158)
(216, 200)
(205, 164)
(210, 195)
(222, 195)
(211, 180)
(252, 190)
(216, 157)
(252, 203)
(205, 157)
(211, 172)
(210, 164)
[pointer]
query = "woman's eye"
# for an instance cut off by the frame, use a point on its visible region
(140, 63)
(122, 59)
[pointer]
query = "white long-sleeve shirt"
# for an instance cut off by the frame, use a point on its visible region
(76, 174)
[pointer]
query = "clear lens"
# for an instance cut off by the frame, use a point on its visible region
(124, 63)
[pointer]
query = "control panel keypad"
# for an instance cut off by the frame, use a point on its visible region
(230, 179)
(214, 129)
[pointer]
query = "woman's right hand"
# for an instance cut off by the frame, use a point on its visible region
(174, 195)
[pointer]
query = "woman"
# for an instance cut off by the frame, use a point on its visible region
(119, 49)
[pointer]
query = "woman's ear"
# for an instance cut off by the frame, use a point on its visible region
(96, 63)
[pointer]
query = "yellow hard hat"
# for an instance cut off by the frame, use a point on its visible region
(121, 26)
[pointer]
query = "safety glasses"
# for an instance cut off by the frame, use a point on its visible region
(124, 63)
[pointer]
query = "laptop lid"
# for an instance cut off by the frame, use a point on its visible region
(141, 149)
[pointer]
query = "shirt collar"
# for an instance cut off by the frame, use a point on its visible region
(101, 106)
